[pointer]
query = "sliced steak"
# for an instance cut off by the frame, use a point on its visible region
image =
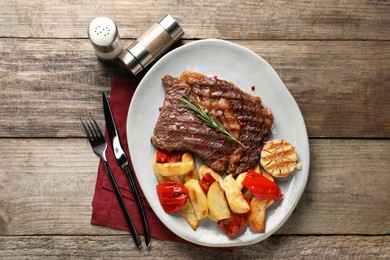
(179, 129)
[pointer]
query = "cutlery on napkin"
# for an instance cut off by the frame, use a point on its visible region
(106, 210)
(124, 163)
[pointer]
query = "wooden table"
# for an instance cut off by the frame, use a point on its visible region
(333, 56)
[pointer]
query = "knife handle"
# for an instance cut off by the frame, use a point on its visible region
(139, 204)
(122, 204)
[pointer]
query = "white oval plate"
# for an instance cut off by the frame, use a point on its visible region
(244, 68)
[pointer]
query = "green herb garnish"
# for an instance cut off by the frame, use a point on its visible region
(200, 113)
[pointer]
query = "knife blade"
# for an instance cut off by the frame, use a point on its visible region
(124, 163)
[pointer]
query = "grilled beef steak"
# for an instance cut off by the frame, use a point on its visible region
(179, 129)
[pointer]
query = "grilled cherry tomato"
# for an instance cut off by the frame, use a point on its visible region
(173, 196)
(233, 224)
(168, 157)
(261, 187)
(206, 181)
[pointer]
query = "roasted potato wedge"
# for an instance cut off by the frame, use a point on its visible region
(240, 178)
(248, 194)
(269, 203)
(186, 165)
(235, 198)
(188, 213)
(159, 177)
(203, 169)
(216, 202)
(162, 179)
(198, 198)
(267, 175)
(191, 175)
(257, 215)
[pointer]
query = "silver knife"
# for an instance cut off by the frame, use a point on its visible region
(124, 163)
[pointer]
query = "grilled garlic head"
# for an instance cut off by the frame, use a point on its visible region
(279, 158)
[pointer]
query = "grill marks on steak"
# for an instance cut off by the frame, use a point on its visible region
(179, 129)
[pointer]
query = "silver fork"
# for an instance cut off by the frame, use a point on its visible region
(99, 146)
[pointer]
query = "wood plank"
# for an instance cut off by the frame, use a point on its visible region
(47, 187)
(278, 19)
(347, 187)
(120, 247)
(341, 87)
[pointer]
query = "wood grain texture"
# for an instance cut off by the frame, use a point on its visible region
(121, 247)
(276, 19)
(48, 83)
(333, 56)
(58, 180)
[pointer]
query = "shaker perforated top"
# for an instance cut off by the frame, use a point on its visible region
(104, 36)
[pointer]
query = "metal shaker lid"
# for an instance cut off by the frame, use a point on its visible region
(172, 27)
(103, 34)
(151, 45)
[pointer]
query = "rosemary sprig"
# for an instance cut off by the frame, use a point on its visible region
(200, 113)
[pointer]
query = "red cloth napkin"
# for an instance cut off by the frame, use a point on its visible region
(106, 210)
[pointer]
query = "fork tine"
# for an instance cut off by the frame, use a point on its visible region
(86, 127)
(91, 128)
(97, 128)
